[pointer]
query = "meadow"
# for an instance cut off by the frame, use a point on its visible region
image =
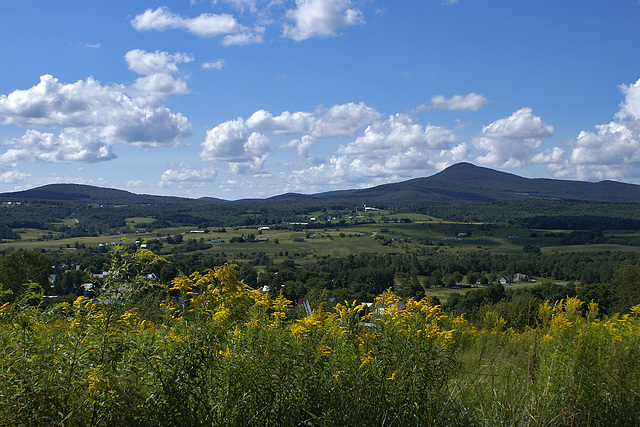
(209, 350)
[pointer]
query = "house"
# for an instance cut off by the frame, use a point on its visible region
(505, 279)
(462, 234)
(519, 277)
(263, 228)
(87, 290)
(217, 240)
(298, 239)
(261, 239)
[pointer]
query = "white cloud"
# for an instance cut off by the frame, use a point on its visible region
(231, 142)
(157, 87)
(550, 155)
(630, 108)
(391, 150)
(613, 143)
(157, 69)
(519, 125)
(338, 121)
(320, 18)
(245, 37)
(203, 25)
(612, 151)
(136, 183)
(399, 132)
(68, 147)
(511, 141)
(187, 177)
(302, 145)
(91, 118)
(157, 62)
(469, 102)
(11, 176)
(218, 64)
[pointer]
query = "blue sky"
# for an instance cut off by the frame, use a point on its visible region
(253, 98)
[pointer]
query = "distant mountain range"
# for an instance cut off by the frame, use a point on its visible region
(462, 182)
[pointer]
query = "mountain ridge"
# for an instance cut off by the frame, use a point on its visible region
(459, 183)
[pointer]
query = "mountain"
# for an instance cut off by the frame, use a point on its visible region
(460, 183)
(88, 193)
(465, 182)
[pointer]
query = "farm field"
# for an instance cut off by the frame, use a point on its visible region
(389, 237)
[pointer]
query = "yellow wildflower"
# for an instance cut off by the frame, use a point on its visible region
(182, 283)
(323, 350)
(96, 382)
(281, 307)
(298, 331)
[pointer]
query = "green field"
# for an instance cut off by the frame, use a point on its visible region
(389, 237)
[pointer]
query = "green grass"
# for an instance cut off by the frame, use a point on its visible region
(138, 220)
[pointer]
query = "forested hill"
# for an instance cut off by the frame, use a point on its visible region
(459, 183)
(87, 193)
(464, 182)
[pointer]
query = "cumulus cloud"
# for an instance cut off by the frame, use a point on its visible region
(157, 69)
(511, 141)
(92, 117)
(630, 108)
(320, 18)
(157, 62)
(612, 151)
(183, 176)
(68, 147)
(232, 143)
(399, 132)
(550, 155)
(337, 121)
(12, 176)
(521, 124)
(203, 25)
(397, 148)
(469, 102)
(302, 145)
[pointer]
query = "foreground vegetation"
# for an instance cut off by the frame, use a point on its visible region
(210, 350)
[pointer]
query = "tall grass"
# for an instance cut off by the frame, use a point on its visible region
(211, 351)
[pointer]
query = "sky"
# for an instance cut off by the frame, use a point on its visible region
(253, 98)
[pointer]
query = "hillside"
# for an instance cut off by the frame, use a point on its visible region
(86, 193)
(460, 183)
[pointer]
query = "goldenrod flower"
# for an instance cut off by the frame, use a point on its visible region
(299, 332)
(323, 350)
